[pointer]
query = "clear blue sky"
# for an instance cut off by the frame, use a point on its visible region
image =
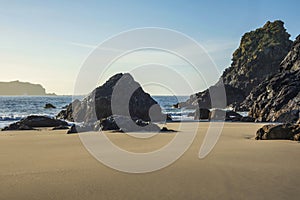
(47, 41)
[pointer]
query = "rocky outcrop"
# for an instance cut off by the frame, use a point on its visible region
(203, 99)
(258, 56)
(220, 115)
(120, 99)
(278, 97)
(32, 121)
(120, 95)
(279, 132)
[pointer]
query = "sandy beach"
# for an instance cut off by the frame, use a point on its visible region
(53, 165)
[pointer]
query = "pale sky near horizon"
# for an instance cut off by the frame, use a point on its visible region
(47, 42)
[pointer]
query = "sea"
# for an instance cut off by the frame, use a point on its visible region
(14, 108)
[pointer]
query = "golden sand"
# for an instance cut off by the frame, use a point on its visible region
(53, 165)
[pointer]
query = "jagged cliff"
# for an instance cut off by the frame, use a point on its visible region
(278, 97)
(21, 88)
(257, 57)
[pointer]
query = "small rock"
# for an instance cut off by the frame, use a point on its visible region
(202, 113)
(165, 129)
(177, 105)
(297, 137)
(65, 107)
(169, 118)
(49, 106)
(72, 129)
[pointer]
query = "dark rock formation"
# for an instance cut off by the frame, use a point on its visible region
(120, 103)
(21, 88)
(278, 132)
(17, 127)
(165, 129)
(233, 116)
(203, 99)
(35, 121)
(278, 97)
(49, 105)
(222, 115)
(116, 123)
(201, 113)
(120, 95)
(258, 56)
(73, 109)
(42, 121)
(60, 127)
(297, 137)
(72, 129)
(169, 118)
(247, 119)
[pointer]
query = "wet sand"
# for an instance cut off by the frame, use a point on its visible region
(53, 165)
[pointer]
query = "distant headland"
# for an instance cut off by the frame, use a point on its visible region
(15, 88)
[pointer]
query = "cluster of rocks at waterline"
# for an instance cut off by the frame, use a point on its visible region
(119, 124)
(220, 115)
(258, 56)
(119, 104)
(116, 123)
(277, 99)
(34, 121)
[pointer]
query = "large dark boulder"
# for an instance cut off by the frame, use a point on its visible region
(257, 57)
(120, 98)
(278, 132)
(32, 121)
(277, 99)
